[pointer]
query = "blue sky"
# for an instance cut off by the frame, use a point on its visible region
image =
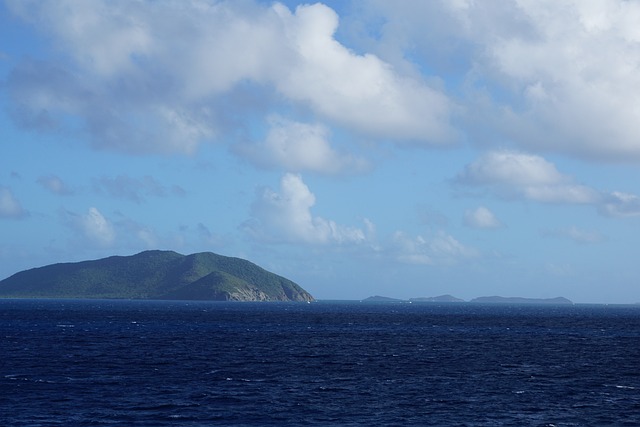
(405, 149)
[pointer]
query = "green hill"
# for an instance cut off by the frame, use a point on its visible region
(155, 275)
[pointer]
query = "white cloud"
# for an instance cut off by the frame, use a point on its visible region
(360, 91)
(92, 227)
(10, 207)
(300, 147)
(581, 67)
(552, 75)
(285, 216)
(481, 217)
(55, 185)
(437, 250)
(619, 204)
(96, 228)
(498, 167)
(168, 76)
(514, 174)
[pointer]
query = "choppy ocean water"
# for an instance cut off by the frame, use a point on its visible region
(143, 363)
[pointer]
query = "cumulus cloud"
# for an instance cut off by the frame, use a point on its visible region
(361, 91)
(10, 207)
(519, 175)
(436, 250)
(516, 175)
(300, 147)
(92, 227)
(55, 185)
(134, 189)
(558, 76)
(481, 217)
(164, 76)
(286, 216)
(579, 67)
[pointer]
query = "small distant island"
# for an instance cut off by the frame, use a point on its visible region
(441, 298)
(479, 300)
(160, 275)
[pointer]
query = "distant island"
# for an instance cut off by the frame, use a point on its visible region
(162, 275)
(441, 298)
(480, 300)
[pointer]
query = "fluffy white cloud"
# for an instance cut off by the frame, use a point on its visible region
(166, 76)
(300, 147)
(439, 249)
(361, 91)
(577, 75)
(519, 169)
(10, 207)
(93, 227)
(96, 228)
(481, 217)
(285, 216)
(514, 174)
(518, 175)
(549, 75)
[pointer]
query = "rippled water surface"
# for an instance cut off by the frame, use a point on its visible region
(142, 363)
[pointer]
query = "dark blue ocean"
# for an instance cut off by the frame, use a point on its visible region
(143, 363)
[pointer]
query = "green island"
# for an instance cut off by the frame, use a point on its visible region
(155, 274)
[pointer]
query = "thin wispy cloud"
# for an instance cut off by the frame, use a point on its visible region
(439, 249)
(10, 206)
(481, 217)
(55, 185)
(576, 235)
(134, 189)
